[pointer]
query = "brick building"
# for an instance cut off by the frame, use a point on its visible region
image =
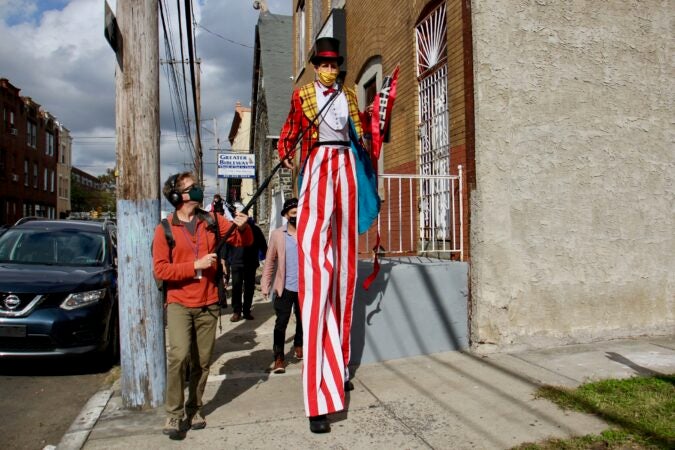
(29, 146)
(86, 180)
(63, 168)
(87, 193)
(272, 87)
(431, 128)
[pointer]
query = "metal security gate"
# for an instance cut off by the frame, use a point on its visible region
(434, 132)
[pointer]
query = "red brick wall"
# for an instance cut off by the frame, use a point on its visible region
(386, 28)
(14, 151)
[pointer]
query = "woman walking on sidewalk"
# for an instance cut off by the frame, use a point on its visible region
(282, 258)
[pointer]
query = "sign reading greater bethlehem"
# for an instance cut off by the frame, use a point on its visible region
(236, 165)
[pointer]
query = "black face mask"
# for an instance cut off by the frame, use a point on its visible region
(292, 220)
(196, 194)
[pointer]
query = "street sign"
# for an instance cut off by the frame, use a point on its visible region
(110, 29)
(236, 165)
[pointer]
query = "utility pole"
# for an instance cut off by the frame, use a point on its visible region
(194, 77)
(217, 149)
(215, 131)
(198, 121)
(141, 321)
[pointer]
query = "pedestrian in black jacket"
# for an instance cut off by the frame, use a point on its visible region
(241, 264)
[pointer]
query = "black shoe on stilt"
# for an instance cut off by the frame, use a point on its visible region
(349, 386)
(319, 424)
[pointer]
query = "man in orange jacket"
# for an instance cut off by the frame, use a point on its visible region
(189, 270)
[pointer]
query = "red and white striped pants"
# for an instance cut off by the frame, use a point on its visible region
(328, 238)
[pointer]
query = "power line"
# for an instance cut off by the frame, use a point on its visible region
(191, 58)
(223, 37)
(182, 56)
(176, 95)
(281, 52)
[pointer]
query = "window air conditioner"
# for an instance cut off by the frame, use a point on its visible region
(13, 131)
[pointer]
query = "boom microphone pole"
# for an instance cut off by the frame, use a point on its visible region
(267, 180)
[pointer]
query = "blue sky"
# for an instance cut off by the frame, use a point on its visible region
(55, 52)
(29, 11)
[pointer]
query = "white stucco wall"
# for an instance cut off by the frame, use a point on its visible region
(573, 215)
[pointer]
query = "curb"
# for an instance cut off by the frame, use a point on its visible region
(79, 430)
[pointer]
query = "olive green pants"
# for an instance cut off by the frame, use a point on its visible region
(192, 334)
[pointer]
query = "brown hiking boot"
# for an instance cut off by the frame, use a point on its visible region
(279, 365)
(173, 428)
(197, 422)
(298, 352)
(236, 317)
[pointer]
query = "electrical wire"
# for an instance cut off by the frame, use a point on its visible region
(191, 58)
(182, 56)
(175, 93)
(173, 79)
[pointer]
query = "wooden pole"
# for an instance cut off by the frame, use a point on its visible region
(198, 121)
(143, 357)
(215, 131)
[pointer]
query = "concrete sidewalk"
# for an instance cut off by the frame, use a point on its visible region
(450, 400)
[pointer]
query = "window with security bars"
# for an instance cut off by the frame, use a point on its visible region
(433, 126)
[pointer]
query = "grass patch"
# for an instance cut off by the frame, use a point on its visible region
(609, 439)
(641, 411)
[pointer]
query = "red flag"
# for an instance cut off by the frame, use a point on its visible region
(376, 264)
(382, 106)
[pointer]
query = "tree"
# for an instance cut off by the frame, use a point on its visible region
(103, 199)
(108, 194)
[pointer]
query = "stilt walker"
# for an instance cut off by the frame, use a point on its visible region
(327, 228)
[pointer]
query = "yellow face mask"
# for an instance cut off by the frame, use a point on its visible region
(327, 78)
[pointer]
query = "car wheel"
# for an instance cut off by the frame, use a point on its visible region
(110, 355)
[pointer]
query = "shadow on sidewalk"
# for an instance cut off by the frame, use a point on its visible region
(244, 371)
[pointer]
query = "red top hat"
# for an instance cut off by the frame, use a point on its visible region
(326, 48)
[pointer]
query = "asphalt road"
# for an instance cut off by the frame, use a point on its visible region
(39, 400)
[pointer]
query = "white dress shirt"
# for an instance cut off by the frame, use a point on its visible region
(333, 123)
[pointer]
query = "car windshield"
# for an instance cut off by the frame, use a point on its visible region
(54, 247)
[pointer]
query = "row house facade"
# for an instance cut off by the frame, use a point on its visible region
(429, 141)
(83, 204)
(29, 152)
(63, 169)
(271, 93)
(532, 143)
(86, 180)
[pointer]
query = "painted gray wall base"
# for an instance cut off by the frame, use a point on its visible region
(416, 306)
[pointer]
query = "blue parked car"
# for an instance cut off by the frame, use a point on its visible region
(58, 289)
